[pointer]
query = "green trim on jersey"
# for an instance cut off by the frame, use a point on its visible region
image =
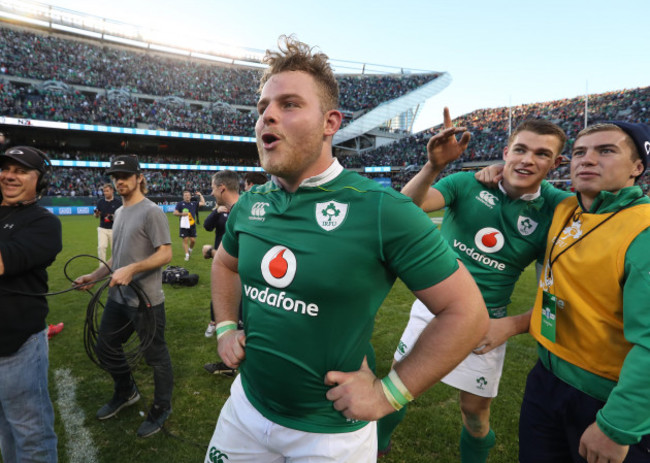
(495, 236)
(315, 267)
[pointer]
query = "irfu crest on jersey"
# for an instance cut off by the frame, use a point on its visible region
(526, 225)
(331, 214)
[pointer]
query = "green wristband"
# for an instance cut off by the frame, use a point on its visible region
(395, 391)
(224, 327)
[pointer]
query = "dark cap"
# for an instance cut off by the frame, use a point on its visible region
(27, 156)
(640, 134)
(125, 163)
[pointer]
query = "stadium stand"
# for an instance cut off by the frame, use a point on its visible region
(60, 79)
(42, 58)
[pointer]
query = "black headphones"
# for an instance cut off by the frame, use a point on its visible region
(44, 177)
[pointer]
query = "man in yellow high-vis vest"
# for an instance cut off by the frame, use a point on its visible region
(588, 397)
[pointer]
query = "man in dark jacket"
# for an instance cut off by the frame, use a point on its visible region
(30, 239)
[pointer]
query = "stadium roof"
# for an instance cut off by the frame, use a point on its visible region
(56, 19)
(390, 109)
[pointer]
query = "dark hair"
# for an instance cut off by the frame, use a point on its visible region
(256, 178)
(228, 178)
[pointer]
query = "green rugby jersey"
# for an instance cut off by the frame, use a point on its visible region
(495, 236)
(315, 267)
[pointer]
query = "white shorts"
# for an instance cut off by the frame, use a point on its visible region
(477, 374)
(242, 434)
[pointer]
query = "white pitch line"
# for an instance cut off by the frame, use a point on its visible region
(79, 442)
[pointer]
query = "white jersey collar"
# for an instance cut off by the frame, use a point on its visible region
(329, 174)
(524, 197)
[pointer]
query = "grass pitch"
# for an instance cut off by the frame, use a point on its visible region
(429, 433)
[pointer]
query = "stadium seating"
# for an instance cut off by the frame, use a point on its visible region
(59, 79)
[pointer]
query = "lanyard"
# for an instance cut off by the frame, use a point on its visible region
(576, 214)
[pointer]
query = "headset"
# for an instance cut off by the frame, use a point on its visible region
(45, 177)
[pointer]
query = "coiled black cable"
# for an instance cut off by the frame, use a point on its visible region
(124, 358)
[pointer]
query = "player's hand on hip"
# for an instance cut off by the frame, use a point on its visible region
(232, 348)
(358, 394)
(596, 447)
(207, 251)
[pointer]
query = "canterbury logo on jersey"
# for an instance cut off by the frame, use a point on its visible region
(488, 240)
(279, 269)
(487, 198)
(258, 211)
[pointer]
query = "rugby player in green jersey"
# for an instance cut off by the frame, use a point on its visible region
(496, 233)
(312, 254)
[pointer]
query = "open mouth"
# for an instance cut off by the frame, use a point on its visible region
(269, 140)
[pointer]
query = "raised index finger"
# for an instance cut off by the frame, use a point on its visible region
(446, 117)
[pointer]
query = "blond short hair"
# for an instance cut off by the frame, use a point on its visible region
(294, 55)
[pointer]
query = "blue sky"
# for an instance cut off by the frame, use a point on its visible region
(498, 52)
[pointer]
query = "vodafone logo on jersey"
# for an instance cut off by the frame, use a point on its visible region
(279, 266)
(279, 269)
(489, 240)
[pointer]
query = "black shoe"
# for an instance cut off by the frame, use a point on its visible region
(117, 403)
(220, 369)
(154, 422)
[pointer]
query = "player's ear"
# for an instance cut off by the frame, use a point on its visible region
(333, 119)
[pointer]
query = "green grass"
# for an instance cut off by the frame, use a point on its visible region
(429, 432)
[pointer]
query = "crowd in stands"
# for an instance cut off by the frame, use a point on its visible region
(69, 181)
(89, 181)
(28, 102)
(46, 57)
(190, 159)
(489, 129)
(74, 62)
(366, 92)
